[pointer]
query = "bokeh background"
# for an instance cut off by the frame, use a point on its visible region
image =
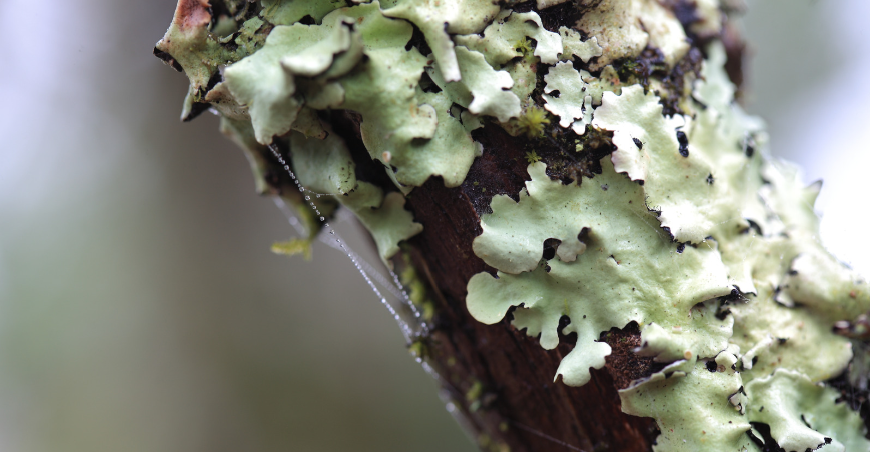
(140, 307)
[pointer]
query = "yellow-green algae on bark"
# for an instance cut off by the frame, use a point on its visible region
(690, 230)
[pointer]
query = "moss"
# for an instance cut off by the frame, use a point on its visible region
(293, 247)
(418, 349)
(488, 444)
(475, 392)
(524, 46)
(416, 289)
(532, 121)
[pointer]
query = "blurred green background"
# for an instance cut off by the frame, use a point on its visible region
(140, 307)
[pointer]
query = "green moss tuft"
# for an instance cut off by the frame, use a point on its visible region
(532, 121)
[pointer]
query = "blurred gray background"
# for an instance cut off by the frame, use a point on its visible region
(140, 307)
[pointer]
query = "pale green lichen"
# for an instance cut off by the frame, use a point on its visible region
(524, 72)
(192, 48)
(804, 416)
(569, 105)
(693, 411)
(383, 89)
(242, 133)
(774, 336)
(326, 167)
(507, 242)
(505, 45)
(308, 123)
(688, 231)
(222, 100)
(437, 19)
(449, 153)
(282, 12)
(323, 166)
(574, 46)
(713, 194)
(502, 41)
(506, 39)
(633, 264)
(265, 82)
(819, 282)
(689, 176)
(625, 27)
(675, 173)
(608, 81)
(708, 18)
(483, 90)
(384, 216)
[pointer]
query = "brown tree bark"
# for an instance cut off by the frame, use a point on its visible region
(499, 379)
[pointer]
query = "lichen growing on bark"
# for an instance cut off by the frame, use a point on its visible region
(688, 229)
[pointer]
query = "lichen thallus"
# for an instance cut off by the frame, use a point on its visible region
(331, 238)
